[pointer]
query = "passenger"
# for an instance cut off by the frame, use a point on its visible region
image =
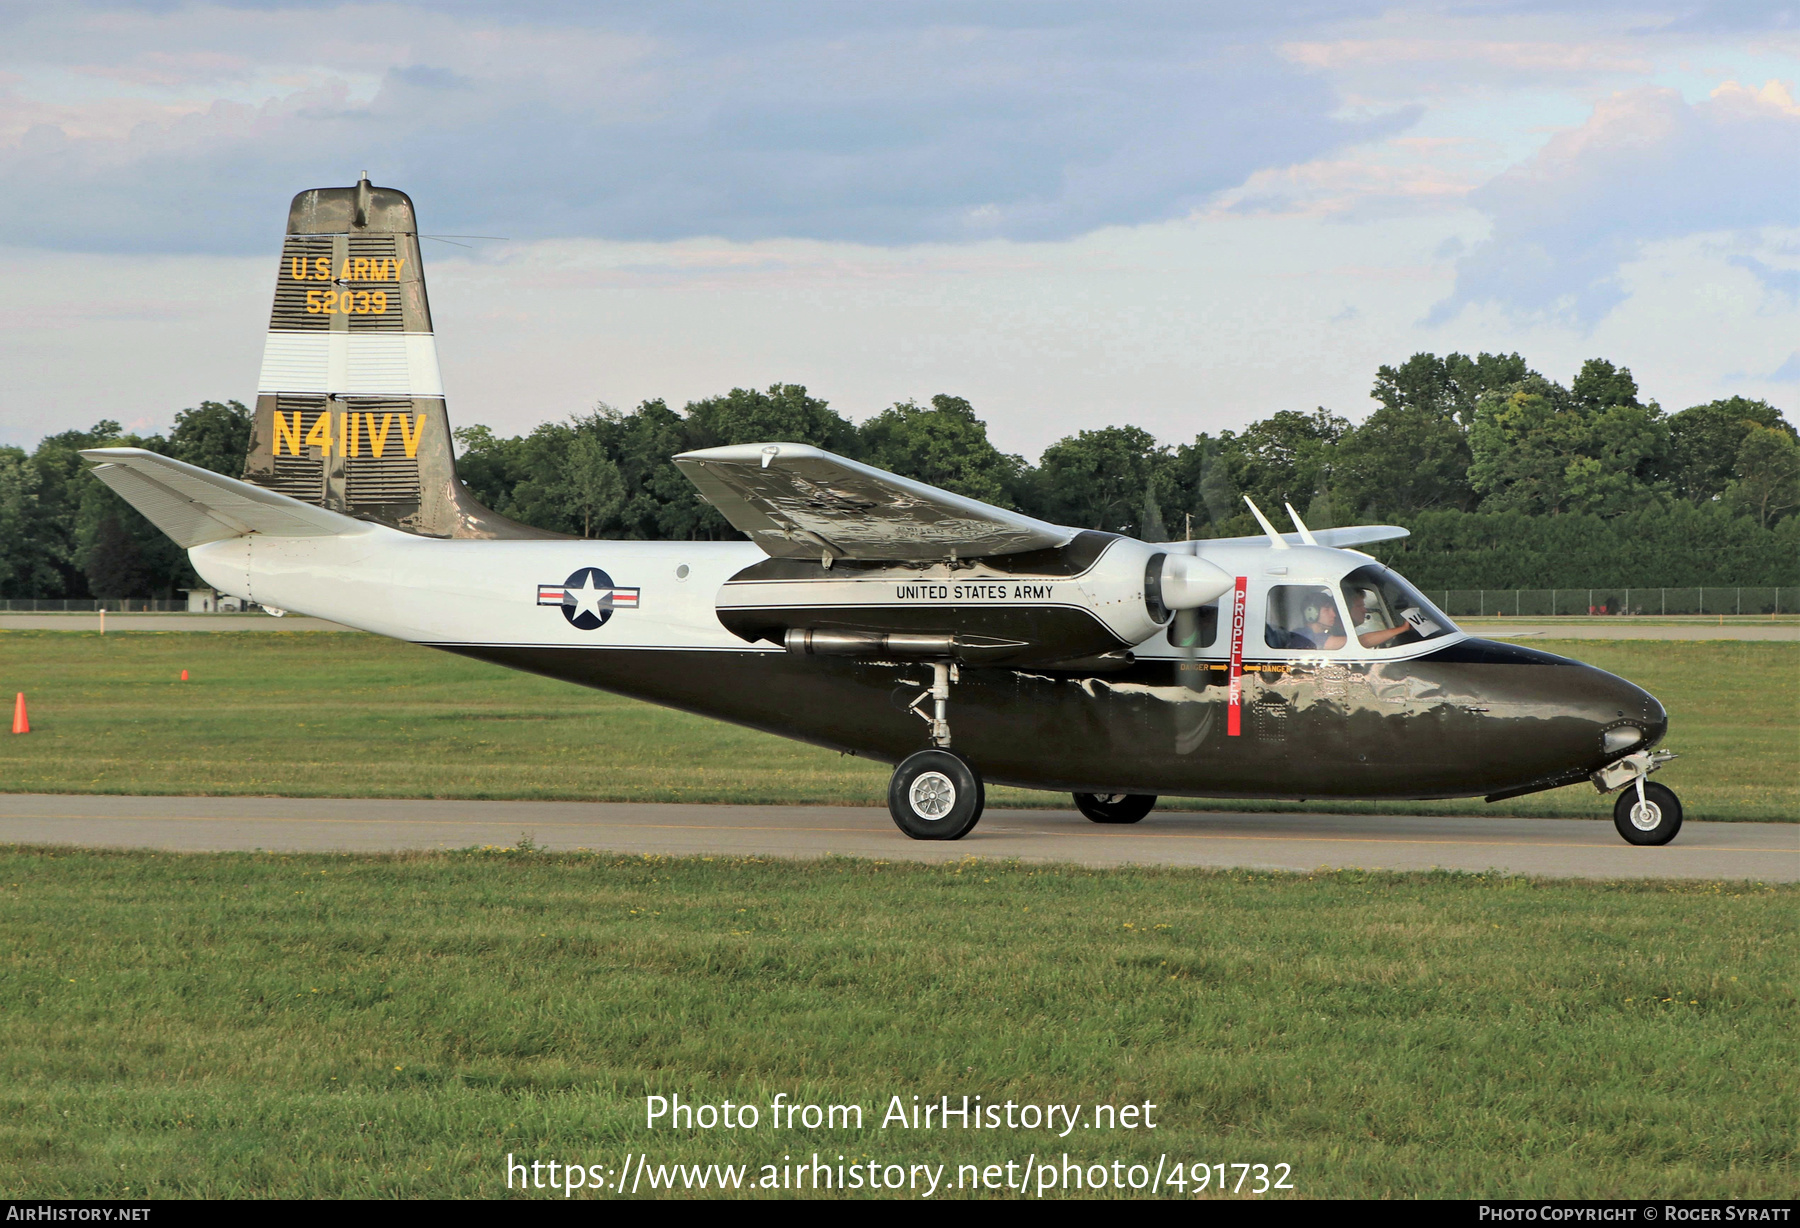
(1302, 616)
(1322, 625)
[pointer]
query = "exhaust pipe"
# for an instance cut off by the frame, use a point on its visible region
(869, 644)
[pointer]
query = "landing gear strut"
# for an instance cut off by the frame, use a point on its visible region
(936, 794)
(943, 673)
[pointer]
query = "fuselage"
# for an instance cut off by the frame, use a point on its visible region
(1448, 716)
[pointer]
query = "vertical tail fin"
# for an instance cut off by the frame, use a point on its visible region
(350, 404)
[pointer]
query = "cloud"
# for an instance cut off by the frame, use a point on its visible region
(1463, 56)
(1782, 281)
(1646, 166)
(881, 124)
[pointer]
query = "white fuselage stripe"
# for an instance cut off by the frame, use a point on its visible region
(487, 593)
(366, 364)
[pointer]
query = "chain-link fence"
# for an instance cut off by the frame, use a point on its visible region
(88, 605)
(1652, 602)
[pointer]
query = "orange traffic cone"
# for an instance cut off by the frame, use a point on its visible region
(20, 724)
(184, 675)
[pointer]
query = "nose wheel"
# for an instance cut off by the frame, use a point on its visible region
(936, 795)
(1647, 814)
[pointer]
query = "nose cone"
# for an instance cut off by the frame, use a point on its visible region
(1618, 708)
(1656, 718)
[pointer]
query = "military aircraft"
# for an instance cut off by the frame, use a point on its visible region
(869, 613)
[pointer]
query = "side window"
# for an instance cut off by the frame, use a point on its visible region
(1302, 616)
(1195, 628)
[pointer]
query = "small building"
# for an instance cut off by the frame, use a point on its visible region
(212, 601)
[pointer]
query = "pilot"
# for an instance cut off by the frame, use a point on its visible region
(1359, 617)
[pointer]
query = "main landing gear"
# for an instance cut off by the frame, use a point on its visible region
(1115, 807)
(936, 794)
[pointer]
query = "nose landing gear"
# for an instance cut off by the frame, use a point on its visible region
(1645, 814)
(936, 794)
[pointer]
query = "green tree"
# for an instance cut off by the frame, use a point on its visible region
(660, 503)
(783, 414)
(1097, 479)
(1767, 475)
(945, 445)
(214, 435)
(569, 482)
(1203, 489)
(589, 482)
(24, 569)
(1287, 457)
(114, 560)
(1539, 448)
(490, 466)
(1412, 454)
(1704, 441)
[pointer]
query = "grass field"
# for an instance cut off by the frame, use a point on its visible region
(229, 1025)
(322, 715)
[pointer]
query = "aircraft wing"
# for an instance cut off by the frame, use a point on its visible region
(195, 505)
(1352, 535)
(801, 502)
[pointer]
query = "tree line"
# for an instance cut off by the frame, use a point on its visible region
(1506, 477)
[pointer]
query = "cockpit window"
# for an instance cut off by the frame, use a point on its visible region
(1303, 616)
(1387, 612)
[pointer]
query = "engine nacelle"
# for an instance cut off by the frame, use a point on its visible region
(1094, 596)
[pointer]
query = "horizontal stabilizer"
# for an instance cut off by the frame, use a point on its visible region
(800, 502)
(194, 505)
(1352, 535)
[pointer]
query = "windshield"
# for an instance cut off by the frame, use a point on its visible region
(1387, 612)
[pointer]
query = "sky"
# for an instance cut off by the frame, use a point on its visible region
(1179, 215)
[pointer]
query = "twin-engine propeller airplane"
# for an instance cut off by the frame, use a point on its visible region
(867, 612)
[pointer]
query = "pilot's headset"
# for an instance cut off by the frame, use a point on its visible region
(1310, 612)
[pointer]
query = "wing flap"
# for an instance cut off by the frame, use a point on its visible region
(195, 506)
(797, 501)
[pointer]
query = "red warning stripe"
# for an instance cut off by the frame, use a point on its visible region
(617, 598)
(1235, 694)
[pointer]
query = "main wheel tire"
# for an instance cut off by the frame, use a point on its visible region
(936, 795)
(1115, 807)
(1655, 820)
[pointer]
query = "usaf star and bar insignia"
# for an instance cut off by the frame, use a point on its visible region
(588, 598)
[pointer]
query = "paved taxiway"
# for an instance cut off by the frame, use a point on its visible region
(1575, 848)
